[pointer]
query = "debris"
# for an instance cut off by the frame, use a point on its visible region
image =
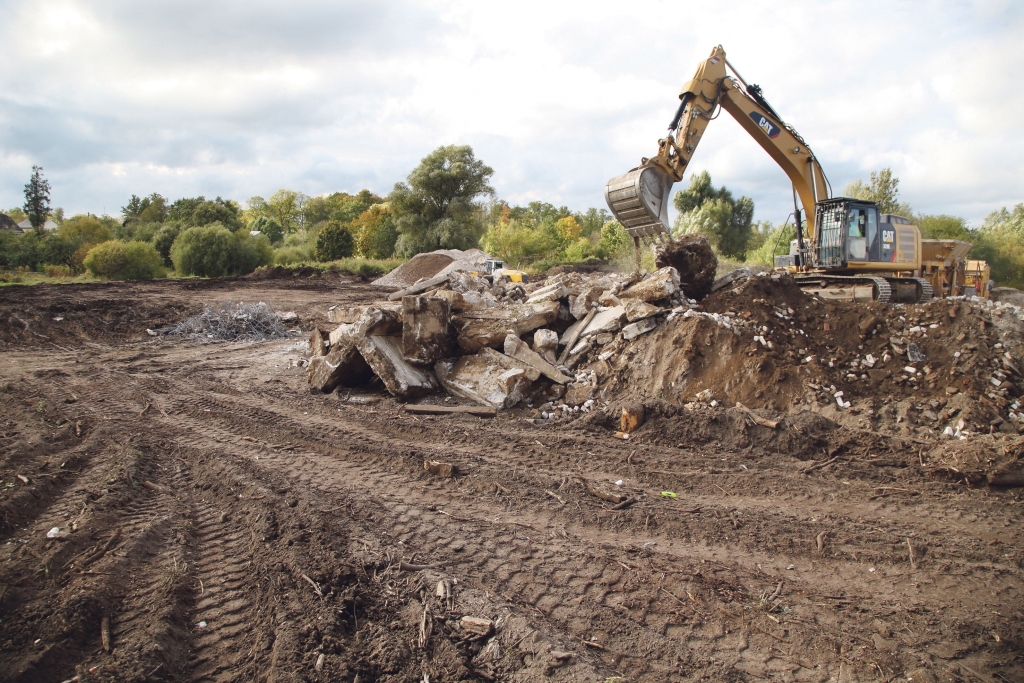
(23, 479)
(105, 632)
(384, 356)
(441, 469)
(427, 334)
(624, 504)
(764, 422)
(632, 417)
(488, 377)
(695, 262)
(634, 330)
(517, 348)
(53, 533)
(668, 494)
(545, 343)
(641, 310)
(661, 285)
(228, 321)
(609, 320)
(426, 409)
(603, 495)
(573, 334)
(489, 327)
(477, 626)
(421, 286)
(342, 366)
(914, 354)
(319, 342)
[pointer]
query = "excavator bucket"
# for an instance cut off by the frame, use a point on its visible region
(639, 200)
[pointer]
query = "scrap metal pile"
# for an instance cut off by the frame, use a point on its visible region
(491, 342)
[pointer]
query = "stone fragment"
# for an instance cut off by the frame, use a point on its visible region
(427, 332)
(582, 304)
(603, 338)
(609, 299)
(552, 292)
(634, 330)
(373, 320)
(660, 285)
(477, 626)
(545, 343)
(489, 378)
(342, 366)
(609, 321)
(318, 342)
(640, 310)
(348, 314)
(479, 329)
(402, 379)
(577, 394)
(517, 348)
(631, 418)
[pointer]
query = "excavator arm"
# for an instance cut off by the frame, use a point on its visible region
(639, 199)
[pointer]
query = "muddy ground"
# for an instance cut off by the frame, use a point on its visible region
(229, 525)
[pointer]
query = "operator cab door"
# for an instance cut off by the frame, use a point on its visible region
(863, 237)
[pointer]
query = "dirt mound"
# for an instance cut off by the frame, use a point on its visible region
(693, 258)
(282, 273)
(424, 266)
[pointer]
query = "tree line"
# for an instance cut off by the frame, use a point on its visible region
(446, 202)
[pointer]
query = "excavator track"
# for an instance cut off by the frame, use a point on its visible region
(884, 288)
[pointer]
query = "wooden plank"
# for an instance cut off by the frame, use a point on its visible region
(479, 411)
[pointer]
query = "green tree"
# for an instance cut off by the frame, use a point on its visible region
(713, 212)
(163, 240)
(614, 240)
(223, 211)
(333, 241)
(75, 237)
(435, 208)
(568, 229)
(375, 232)
(883, 189)
(204, 251)
(37, 199)
(151, 209)
(1000, 242)
(118, 260)
(774, 242)
(269, 227)
(17, 214)
(944, 227)
(592, 220)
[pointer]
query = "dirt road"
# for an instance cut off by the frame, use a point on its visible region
(230, 526)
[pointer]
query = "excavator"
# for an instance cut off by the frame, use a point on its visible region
(844, 249)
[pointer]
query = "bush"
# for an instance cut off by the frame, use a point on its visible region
(333, 242)
(289, 256)
(58, 271)
(614, 240)
(213, 251)
(578, 251)
(269, 227)
(117, 260)
(163, 239)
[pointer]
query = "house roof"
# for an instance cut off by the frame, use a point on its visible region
(8, 223)
(27, 225)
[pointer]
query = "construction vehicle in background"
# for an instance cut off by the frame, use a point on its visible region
(495, 270)
(976, 276)
(843, 249)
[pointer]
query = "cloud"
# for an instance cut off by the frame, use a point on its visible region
(242, 98)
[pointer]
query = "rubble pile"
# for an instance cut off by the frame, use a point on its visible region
(576, 342)
(228, 321)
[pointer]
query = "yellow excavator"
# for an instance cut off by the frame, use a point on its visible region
(844, 249)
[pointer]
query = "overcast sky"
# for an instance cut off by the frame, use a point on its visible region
(233, 98)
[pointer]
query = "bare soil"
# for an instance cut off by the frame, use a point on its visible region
(230, 525)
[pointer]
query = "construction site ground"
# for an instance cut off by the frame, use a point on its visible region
(225, 524)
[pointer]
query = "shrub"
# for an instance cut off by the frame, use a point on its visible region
(289, 256)
(213, 251)
(269, 227)
(163, 239)
(578, 251)
(117, 260)
(333, 242)
(58, 271)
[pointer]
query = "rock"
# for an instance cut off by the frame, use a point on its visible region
(345, 315)
(609, 299)
(867, 324)
(578, 394)
(631, 418)
(552, 292)
(545, 343)
(373, 320)
(477, 626)
(694, 261)
(488, 377)
(384, 356)
(661, 285)
(634, 330)
(318, 342)
(731, 277)
(914, 354)
(517, 348)
(639, 310)
(577, 353)
(582, 304)
(456, 301)
(342, 366)
(603, 338)
(609, 321)
(489, 328)
(427, 332)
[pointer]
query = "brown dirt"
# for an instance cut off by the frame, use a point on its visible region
(693, 257)
(230, 485)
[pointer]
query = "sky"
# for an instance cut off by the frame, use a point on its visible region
(232, 98)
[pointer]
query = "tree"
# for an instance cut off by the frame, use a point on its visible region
(1000, 242)
(883, 190)
(269, 227)
(151, 209)
(568, 230)
(37, 199)
(163, 240)
(333, 241)
(213, 251)
(435, 208)
(614, 240)
(713, 212)
(375, 232)
(944, 227)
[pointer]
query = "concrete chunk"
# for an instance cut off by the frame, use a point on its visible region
(427, 332)
(479, 329)
(373, 320)
(639, 310)
(660, 285)
(545, 342)
(318, 342)
(488, 378)
(634, 330)
(609, 321)
(549, 293)
(582, 304)
(402, 379)
(578, 394)
(517, 348)
(342, 366)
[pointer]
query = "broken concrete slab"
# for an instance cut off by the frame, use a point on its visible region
(489, 378)
(401, 378)
(639, 310)
(374, 320)
(421, 286)
(345, 314)
(318, 342)
(585, 301)
(342, 366)
(552, 292)
(577, 394)
(607, 321)
(634, 330)
(659, 285)
(517, 348)
(479, 329)
(427, 332)
(545, 343)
